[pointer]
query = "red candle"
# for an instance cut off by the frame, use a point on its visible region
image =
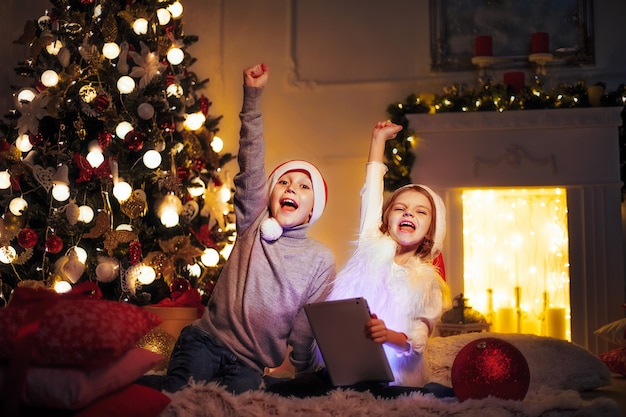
(484, 46)
(540, 43)
(515, 79)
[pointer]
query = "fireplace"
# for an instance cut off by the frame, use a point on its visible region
(575, 150)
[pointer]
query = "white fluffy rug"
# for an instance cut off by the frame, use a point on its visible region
(210, 400)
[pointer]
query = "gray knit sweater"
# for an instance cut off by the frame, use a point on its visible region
(256, 308)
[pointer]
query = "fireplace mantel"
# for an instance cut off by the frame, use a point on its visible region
(573, 148)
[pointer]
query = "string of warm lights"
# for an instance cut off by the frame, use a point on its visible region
(400, 152)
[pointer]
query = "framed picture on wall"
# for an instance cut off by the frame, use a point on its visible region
(455, 24)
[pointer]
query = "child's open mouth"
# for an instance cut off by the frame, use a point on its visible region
(406, 225)
(289, 204)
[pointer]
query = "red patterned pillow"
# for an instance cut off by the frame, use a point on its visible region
(132, 401)
(76, 331)
(615, 360)
(67, 388)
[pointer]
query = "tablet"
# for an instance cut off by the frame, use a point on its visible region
(350, 357)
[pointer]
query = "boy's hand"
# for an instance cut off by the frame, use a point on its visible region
(256, 75)
(385, 130)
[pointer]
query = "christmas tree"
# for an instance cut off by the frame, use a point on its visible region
(110, 167)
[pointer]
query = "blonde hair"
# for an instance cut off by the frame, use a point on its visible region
(425, 248)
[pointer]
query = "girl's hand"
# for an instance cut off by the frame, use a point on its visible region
(385, 130)
(376, 330)
(256, 75)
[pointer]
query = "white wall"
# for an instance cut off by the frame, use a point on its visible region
(381, 57)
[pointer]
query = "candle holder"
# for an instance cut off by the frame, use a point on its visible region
(485, 73)
(540, 60)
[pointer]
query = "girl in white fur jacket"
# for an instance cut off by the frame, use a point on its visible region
(392, 266)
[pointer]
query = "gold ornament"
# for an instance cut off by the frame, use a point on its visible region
(87, 93)
(13, 154)
(158, 341)
(134, 207)
(115, 237)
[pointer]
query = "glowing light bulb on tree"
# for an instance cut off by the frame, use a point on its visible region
(125, 84)
(7, 254)
(122, 129)
(197, 187)
(49, 78)
(169, 210)
(61, 287)
(23, 143)
(217, 144)
(54, 47)
(176, 9)
(145, 274)
(95, 158)
(60, 184)
(26, 95)
(174, 90)
(85, 214)
(224, 194)
(111, 50)
(175, 56)
(210, 257)
(194, 121)
(81, 254)
(122, 190)
(152, 159)
(17, 206)
(140, 26)
(5, 180)
(164, 16)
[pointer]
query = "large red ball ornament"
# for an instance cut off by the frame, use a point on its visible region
(490, 367)
(179, 285)
(54, 244)
(27, 238)
(134, 140)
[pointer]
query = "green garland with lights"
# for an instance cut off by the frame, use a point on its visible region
(400, 154)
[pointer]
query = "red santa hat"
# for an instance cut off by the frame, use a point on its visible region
(320, 190)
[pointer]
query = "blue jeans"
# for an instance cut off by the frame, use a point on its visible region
(197, 355)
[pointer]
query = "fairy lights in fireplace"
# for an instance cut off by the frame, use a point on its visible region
(516, 259)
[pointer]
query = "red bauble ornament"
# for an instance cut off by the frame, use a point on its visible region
(490, 367)
(27, 238)
(101, 102)
(54, 244)
(134, 252)
(134, 140)
(104, 139)
(179, 285)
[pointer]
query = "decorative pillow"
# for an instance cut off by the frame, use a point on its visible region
(70, 388)
(614, 332)
(615, 360)
(74, 331)
(552, 362)
(132, 401)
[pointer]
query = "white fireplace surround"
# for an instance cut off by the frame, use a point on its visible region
(573, 148)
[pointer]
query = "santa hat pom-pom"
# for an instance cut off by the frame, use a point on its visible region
(271, 230)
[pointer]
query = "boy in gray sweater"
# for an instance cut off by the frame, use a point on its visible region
(256, 308)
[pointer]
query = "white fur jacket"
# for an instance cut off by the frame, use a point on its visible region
(409, 299)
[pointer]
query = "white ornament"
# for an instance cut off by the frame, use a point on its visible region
(190, 211)
(72, 212)
(107, 269)
(271, 230)
(44, 176)
(145, 111)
